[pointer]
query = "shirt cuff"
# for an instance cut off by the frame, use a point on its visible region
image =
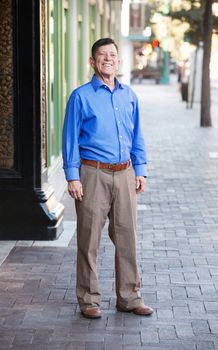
(140, 169)
(72, 174)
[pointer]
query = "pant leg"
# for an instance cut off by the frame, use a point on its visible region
(92, 213)
(122, 231)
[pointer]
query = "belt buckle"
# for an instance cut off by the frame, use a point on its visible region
(111, 165)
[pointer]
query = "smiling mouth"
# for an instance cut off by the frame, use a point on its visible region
(107, 65)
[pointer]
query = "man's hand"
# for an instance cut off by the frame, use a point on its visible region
(75, 189)
(140, 184)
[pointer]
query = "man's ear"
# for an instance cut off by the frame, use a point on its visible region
(92, 62)
(118, 65)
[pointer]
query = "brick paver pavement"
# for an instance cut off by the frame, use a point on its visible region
(177, 253)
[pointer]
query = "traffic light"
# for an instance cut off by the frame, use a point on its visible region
(155, 43)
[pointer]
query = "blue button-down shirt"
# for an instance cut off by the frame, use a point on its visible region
(102, 125)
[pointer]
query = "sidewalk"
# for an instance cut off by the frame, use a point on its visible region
(177, 253)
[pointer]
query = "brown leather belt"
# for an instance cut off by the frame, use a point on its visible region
(113, 167)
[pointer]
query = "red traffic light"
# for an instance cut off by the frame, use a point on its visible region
(155, 43)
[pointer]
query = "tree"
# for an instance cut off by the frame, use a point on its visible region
(200, 18)
(205, 87)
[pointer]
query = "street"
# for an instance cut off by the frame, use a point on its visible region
(177, 252)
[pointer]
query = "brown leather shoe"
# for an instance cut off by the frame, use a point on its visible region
(92, 312)
(141, 310)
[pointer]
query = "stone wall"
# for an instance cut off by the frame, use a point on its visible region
(6, 86)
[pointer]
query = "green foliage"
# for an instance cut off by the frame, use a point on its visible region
(194, 17)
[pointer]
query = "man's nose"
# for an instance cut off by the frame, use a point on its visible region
(107, 56)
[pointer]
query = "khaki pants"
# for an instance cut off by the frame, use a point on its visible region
(112, 195)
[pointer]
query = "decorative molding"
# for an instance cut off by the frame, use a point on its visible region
(101, 7)
(80, 18)
(92, 2)
(6, 86)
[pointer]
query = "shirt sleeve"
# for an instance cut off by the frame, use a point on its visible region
(138, 152)
(70, 138)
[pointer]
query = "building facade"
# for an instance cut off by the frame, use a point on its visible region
(45, 46)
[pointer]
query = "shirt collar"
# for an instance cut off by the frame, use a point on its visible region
(97, 83)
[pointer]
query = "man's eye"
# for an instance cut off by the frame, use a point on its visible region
(110, 55)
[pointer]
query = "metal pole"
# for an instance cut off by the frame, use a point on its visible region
(165, 77)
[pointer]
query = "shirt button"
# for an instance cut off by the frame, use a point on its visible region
(122, 150)
(121, 136)
(118, 121)
(116, 108)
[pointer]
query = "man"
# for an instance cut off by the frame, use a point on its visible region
(105, 166)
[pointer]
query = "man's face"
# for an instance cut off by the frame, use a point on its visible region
(105, 62)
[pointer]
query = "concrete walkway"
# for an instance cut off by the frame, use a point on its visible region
(177, 253)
